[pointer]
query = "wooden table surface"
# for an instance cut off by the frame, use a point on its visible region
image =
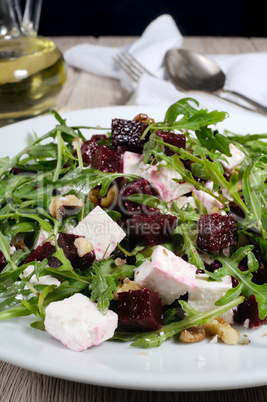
(83, 90)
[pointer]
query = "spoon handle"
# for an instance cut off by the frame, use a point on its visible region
(257, 106)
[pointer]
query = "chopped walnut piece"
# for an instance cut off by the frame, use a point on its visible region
(110, 198)
(93, 196)
(125, 287)
(57, 205)
(193, 334)
(83, 246)
(224, 331)
(119, 262)
(213, 339)
(143, 118)
(245, 341)
(215, 210)
(105, 202)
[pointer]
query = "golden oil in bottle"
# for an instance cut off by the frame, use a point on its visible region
(32, 72)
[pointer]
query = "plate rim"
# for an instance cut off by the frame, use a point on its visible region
(143, 383)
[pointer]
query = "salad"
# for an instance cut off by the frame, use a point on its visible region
(154, 230)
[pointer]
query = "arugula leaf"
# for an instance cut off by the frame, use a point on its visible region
(156, 338)
(178, 108)
(5, 248)
(102, 289)
(243, 139)
(189, 248)
(211, 170)
(18, 311)
(213, 141)
(192, 119)
(251, 183)
(245, 285)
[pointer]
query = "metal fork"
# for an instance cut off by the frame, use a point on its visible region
(135, 70)
(130, 66)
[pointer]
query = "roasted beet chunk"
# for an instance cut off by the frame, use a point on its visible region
(66, 242)
(90, 147)
(140, 186)
(237, 211)
(45, 250)
(260, 275)
(127, 133)
(140, 310)
(247, 313)
(152, 229)
(178, 140)
(107, 160)
(216, 232)
(3, 261)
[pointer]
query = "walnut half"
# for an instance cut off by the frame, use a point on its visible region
(143, 118)
(107, 201)
(224, 331)
(83, 246)
(193, 334)
(57, 205)
(125, 287)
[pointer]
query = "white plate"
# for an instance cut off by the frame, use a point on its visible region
(172, 366)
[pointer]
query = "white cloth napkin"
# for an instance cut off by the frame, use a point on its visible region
(245, 73)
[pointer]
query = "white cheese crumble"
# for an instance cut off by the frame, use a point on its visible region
(205, 293)
(101, 231)
(78, 324)
(167, 274)
(43, 280)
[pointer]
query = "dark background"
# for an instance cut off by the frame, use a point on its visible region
(127, 18)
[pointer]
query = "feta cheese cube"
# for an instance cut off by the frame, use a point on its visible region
(43, 280)
(12, 249)
(162, 179)
(235, 159)
(78, 324)
(101, 231)
(184, 200)
(204, 294)
(206, 200)
(168, 275)
(132, 163)
(42, 236)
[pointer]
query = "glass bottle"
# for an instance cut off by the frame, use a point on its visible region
(32, 69)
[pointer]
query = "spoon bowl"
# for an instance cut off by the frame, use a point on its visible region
(193, 71)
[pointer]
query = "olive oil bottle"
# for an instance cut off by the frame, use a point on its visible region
(32, 72)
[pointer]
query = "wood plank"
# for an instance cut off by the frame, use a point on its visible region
(83, 90)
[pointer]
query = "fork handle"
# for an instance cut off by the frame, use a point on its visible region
(258, 107)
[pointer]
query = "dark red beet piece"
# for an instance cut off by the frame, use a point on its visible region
(248, 310)
(90, 147)
(45, 250)
(237, 211)
(216, 232)
(178, 140)
(140, 186)
(211, 267)
(140, 310)
(3, 261)
(127, 133)
(66, 242)
(107, 160)
(260, 275)
(152, 229)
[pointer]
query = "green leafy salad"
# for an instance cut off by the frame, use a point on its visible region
(160, 226)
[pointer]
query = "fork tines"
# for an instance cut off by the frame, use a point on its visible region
(130, 66)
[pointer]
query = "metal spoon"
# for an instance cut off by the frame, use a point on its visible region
(194, 71)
